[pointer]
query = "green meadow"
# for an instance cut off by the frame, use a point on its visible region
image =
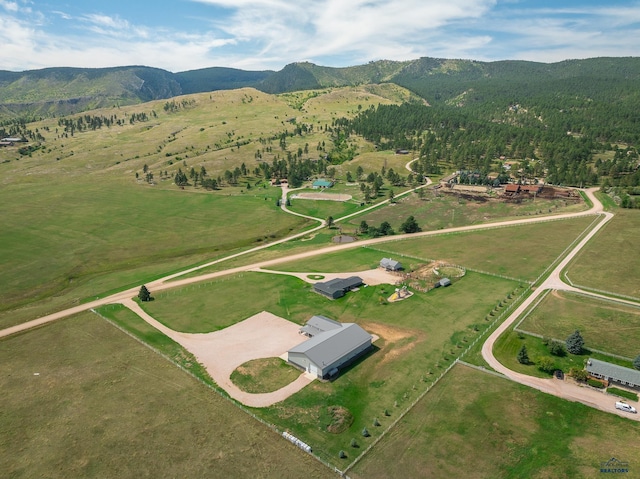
(476, 425)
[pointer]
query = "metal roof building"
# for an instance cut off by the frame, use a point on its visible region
(328, 350)
(319, 324)
(613, 373)
(390, 264)
(338, 287)
(322, 184)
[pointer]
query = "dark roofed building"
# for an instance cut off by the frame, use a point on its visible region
(390, 264)
(512, 188)
(338, 287)
(613, 373)
(327, 351)
(531, 189)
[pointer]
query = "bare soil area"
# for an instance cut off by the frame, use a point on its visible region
(322, 196)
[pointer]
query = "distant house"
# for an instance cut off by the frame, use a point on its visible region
(321, 184)
(338, 287)
(444, 282)
(329, 349)
(531, 189)
(512, 188)
(402, 152)
(613, 373)
(390, 264)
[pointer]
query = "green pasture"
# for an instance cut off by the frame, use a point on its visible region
(522, 251)
(437, 210)
(610, 261)
(419, 337)
(264, 375)
(103, 405)
(63, 235)
(604, 325)
(475, 425)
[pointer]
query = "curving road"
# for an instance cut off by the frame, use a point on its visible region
(564, 389)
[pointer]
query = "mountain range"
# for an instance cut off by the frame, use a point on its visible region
(60, 91)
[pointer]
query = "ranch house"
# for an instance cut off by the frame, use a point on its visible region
(332, 345)
(613, 373)
(338, 287)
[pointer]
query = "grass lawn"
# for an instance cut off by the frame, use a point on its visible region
(507, 346)
(475, 425)
(604, 325)
(419, 337)
(103, 405)
(323, 208)
(610, 261)
(264, 375)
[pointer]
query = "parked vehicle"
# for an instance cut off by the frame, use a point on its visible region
(623, 406)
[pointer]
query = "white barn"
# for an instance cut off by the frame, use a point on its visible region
(331, 346)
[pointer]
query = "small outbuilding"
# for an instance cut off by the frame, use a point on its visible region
(338, 287)
(613, 373)
(390, 264)
(330, 349)
(444, 282)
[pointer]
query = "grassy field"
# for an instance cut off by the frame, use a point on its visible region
(264, 375)
(520, 251)
(439, 211)
(94, 231)
(419, 338)
(604, 325)
(80, 220)
(475, 425)
(105, 406)
(610, 261)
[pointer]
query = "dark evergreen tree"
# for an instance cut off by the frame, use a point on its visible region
(144, 294)
(523, 356)
(410, 226)
(575, 343)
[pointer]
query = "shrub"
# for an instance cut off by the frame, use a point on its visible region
(636, 362)
(623, 393)
(342, 454)
(595, 383)
(354, 443)
(578, 374)
(365, 432)
(556, 348)
(546, 364)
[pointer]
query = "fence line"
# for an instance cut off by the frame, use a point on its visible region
(600, 291)
(483, 369)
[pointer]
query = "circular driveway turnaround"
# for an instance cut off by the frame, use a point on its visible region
(263, 335)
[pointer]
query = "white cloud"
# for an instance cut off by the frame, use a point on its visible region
(9, 6)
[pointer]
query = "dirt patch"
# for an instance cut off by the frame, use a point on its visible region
(343, 239)
(392, 336)
(341, 419)
(322, 196)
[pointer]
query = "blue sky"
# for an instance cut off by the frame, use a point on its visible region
(180, 35)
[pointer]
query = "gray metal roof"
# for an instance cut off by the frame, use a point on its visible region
(389, 263)
(319, 324)
(613, 371)
(338, 284)
(326, 348)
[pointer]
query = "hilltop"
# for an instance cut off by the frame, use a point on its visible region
(59, 91)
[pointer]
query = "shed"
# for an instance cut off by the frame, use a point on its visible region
(338, 287)
(326, 352)
(321, 184)
(390, 264)
(613, 373)
(443, 282)
(512, 188)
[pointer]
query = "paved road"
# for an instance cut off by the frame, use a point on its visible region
(564, 389)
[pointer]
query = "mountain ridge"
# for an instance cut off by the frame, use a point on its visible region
(65, 90)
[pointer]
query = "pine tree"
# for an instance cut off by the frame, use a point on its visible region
(575, 343)
(144, 294)
(523, 356)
